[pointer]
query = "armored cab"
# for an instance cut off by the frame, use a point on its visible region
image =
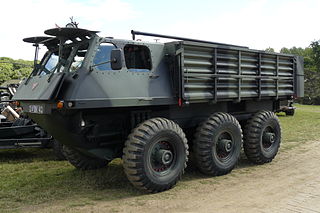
(150, 103)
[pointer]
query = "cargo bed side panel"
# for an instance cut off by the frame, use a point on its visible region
(212, 73)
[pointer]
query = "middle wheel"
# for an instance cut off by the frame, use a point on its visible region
(217, 144)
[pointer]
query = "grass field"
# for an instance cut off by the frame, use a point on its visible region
(33, 177)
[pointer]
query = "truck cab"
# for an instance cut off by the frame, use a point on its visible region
(93, 61)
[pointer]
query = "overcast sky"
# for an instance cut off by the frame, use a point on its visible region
(255, 23)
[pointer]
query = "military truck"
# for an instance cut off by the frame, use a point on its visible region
(107, 98)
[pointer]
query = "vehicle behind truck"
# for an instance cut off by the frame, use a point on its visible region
(18, 131)
(153, 103)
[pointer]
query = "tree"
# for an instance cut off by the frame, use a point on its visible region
(269, 49)
(5, 72)
(316, 53)
(14, 69)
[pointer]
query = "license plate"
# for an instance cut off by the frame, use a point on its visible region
(39, 109)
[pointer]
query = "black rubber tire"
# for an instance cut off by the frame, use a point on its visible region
(81, 161)
(142, 168)
(58, 150)
(290, 112)
(211, 158)
(257, 148)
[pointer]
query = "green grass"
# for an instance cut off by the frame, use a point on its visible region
(39, 179)
(300, 128)
(32, 177)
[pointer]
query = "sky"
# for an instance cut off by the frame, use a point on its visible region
(258, 24)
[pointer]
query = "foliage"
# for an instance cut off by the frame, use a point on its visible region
(270, 49)
(14, 69)
(316, 53)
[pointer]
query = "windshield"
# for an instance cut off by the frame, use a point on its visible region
(50, 65)
(52, 62)
(71, 58)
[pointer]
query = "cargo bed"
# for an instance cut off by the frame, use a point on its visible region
(212, 73)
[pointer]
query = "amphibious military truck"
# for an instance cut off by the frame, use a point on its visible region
(107, 98)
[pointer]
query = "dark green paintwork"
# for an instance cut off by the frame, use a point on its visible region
(187, 82)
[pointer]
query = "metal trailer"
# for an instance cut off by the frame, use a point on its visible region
(23, 134)
(6, 93)
(20, 132)
(91, 92)
(17, 132)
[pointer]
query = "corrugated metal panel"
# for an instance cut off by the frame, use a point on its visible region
(216, 73)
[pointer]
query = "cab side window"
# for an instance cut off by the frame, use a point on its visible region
(102, 56)
(137, 57)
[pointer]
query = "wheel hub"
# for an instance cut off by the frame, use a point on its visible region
(164, 156)
(225, 145)
(269, 137)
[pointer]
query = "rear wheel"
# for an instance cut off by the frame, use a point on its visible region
(155, 155)
(289, 112)
(262, 137)
(82, 161)
(217, 144)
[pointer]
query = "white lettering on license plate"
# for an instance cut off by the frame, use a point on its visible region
(36, 109)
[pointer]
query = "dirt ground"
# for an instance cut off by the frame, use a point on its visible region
(291, 183)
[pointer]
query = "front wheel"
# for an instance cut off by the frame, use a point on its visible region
(155, 155)
(58, 150)
(262, 137)
(82, 161)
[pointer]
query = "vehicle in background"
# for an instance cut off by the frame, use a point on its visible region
(18, 131)
(287, 107)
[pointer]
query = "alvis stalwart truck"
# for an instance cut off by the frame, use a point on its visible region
(153, 103)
